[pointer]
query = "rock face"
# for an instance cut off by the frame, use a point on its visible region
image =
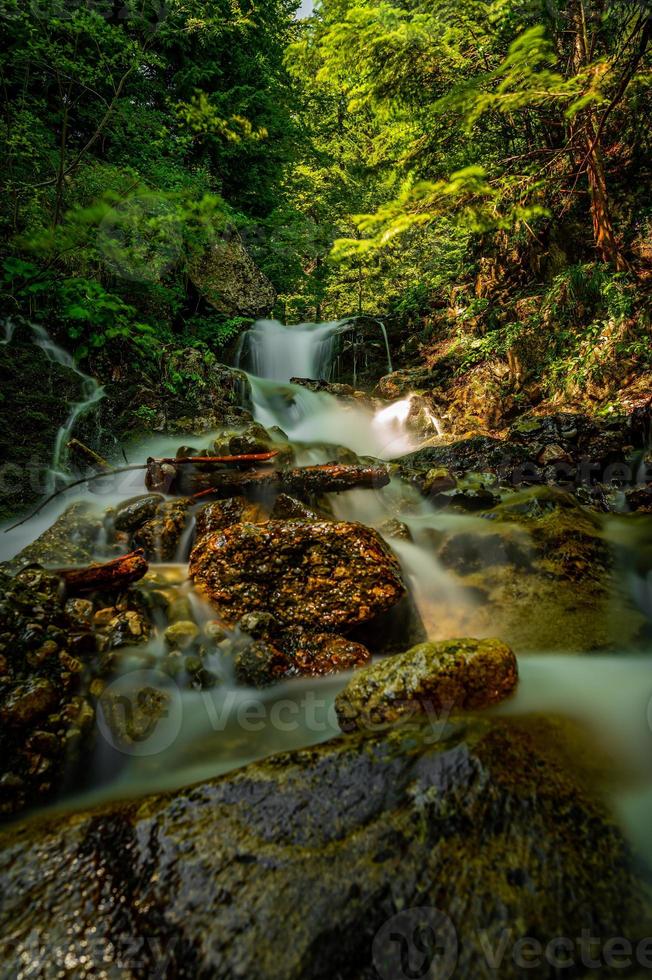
(230, 280)
(69, 541)
(190, 392)
(321, 575)
(431, 677)
(297, 866)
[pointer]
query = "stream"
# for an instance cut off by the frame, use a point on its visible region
(210, 732)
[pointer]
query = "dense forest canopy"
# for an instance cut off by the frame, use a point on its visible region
(438, 163)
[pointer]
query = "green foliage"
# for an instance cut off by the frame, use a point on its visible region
(130, 140)
(214, 331)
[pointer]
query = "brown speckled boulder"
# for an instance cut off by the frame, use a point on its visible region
(431, 677)
(325, 576)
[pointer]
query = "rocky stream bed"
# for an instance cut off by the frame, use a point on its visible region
(407, 590)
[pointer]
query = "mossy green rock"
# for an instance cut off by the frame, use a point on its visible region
(289, 868)
(430, 678)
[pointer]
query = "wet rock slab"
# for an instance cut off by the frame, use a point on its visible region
(297, 866)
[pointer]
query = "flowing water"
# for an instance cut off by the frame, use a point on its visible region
(211, 732)
(91, 394)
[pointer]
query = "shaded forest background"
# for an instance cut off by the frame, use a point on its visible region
(475, 173)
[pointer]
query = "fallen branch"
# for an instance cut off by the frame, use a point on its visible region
(84, 454)
(115, 574)
(327, 478)
(242, 458)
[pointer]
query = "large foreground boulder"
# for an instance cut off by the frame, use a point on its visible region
(309, 865)
(323, 575)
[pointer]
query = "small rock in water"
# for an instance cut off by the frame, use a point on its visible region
(462, 674)
(130, 514)
(470, 500)
(258, 624)
(394, 528)
(28, 702)
(182, 634)
(127, 628)
(160, 536)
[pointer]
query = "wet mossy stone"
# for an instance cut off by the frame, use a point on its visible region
(448, 676)
(479, 454)
(291, 867)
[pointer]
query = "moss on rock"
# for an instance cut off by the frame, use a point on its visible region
(450, 675)
(291, 867)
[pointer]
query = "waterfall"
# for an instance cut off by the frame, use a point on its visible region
(273, 354)
(92, 392)
(272, 350)
(277, 352)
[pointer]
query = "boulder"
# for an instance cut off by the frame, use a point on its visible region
(451, 675)
(228, 278)
(323, 575)
(304, 866)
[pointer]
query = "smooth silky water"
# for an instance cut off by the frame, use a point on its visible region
(212, 732)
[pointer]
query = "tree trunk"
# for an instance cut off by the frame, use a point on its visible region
(591, 157)
(604, 235)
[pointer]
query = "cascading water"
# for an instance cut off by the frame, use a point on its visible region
(275, 353)
(91, 390)
(272, 350)
(278, 352)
